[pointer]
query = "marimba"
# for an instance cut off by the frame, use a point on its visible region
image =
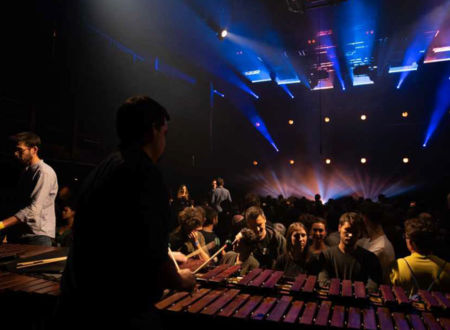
(263, 298)
(12, 282)
(22, 251)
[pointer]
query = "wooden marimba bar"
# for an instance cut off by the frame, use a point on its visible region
(272, 280)
(265, 295)
(12, 282)
(236, 305)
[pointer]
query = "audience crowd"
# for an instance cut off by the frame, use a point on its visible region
(390, 241)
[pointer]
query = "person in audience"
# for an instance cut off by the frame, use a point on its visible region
(182, 201)
(211, 191)
(211, 220)
(297, 258)
(421, 270)
(317, 235)
(64, 234)
(220, 195)
(242, 253)
(376, 240)
(270, 243)
(33, 220)
(187, 238)
(347, 261)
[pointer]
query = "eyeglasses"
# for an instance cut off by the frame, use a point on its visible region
(21, 150)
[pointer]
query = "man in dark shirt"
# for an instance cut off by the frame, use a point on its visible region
(119, 263)
(270, 244)
(211, 220)
(347, 261)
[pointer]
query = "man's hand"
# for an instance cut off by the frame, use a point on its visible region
(193, 236)
(187, 279)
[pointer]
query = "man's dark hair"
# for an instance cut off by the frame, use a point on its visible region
(220, 182)
(30, 139)
(210, 214)
(354, 219)
(421, 232)
(136, 117)
(252, 213)
(190, 219)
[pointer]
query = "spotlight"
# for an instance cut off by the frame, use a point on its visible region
(327, 119)
(424, 145)
(222, 34)
(257, 124)
(363, 117)
(291, 122)
(328, 161)
(405, 160)
(255, 163)
(363, 160)
(291, 162)
(404, 114)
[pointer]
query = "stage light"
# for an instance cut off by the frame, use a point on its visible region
(327, 119)
(363, 117)
(291, 122)
(404, 114)
(405, 160)
(363, 160)
(223, 34)
(328, 161)
(291, 162)
(255, 163)
(257, 124)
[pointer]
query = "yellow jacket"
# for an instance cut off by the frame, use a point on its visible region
(425, 268)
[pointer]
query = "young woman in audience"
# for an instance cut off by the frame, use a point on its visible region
(297, 258)
(317, 235)
(64, 234)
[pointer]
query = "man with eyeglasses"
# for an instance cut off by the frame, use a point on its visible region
(347, 261)
(34, 219)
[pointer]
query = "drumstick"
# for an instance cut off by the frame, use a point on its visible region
(211, 258)
(39, 262)
(208, 246)
(173, 259)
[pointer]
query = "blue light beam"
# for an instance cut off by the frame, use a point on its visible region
(288, 92)
(441, 106)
